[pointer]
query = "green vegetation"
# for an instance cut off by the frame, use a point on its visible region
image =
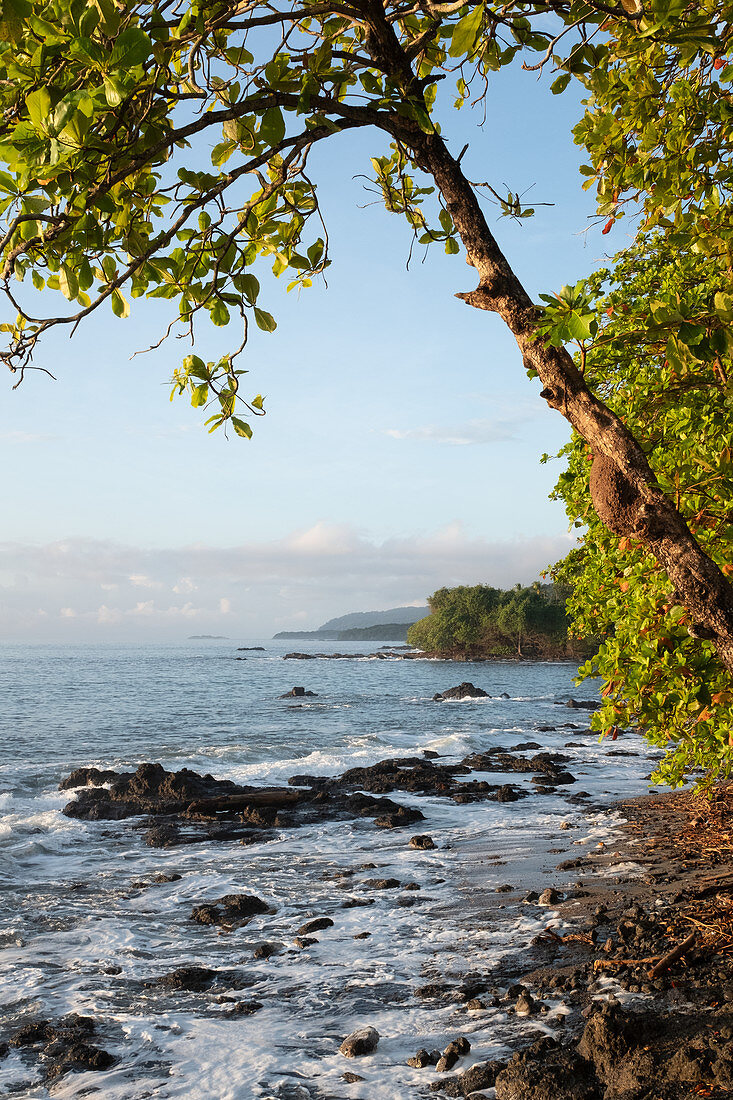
(660, 673)
(484, 621)
(108, 106)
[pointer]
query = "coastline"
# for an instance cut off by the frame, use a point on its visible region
(608, 1025)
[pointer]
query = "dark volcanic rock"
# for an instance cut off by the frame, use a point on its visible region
(544, 1072)
(163, 836)
(466, 690)
(79, 1056)
(481, 1076)
(193, 978)
(232, 908)
(422, 842)
(64, 1044)
(316, 925)
(299, 693)
(87, 777)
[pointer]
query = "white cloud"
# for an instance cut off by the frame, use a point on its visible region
(302, 579)
(185, 584)
(462, 435)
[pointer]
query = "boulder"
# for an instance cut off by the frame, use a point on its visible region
(423, 842)
(363, 1041)
(466, 690)
(299, 693)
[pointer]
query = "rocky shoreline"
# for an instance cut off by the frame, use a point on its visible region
(639, 984)
(629, 986)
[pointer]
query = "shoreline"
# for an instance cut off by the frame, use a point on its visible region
(610, 1028)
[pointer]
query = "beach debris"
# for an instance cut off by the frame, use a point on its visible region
(363, 1041)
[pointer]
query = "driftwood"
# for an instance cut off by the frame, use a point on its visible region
(273, 797)
(673, 955)
(656, 963)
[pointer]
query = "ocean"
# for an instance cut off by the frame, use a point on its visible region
(86, 928)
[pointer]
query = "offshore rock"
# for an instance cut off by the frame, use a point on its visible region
(466, 690)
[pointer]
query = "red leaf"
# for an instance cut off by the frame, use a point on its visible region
(608, 226)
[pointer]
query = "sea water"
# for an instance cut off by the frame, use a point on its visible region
(80, 932)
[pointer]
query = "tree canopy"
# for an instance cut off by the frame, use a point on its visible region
(484, 621)
(112, 191)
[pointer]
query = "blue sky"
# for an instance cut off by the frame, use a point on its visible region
(400, 450)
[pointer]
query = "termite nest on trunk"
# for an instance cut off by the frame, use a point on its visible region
(615, 499)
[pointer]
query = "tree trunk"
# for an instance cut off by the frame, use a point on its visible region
(623, 486)
(621, 473)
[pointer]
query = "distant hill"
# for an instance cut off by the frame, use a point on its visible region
(387, 632)
(358, 619)
(393, 622)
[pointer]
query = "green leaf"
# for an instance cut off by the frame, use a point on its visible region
(272, 127)
(265, 320)
(465, 32)
(120, 307)
(257, 402)
(133, 47)
(241, 427)
(452, 246)
(560, 84)
(114, 90)
(199, 395)
(219, 313)
(38, 105)
(724, 306)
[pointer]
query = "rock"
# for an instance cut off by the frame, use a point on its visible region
(466, 690)
(581, 704)
(422, 842)
(305, 941)
(504, 695)
(299, 693)
(245, 1008)
(162, 836)
(265, 950)
(79, 1057)
(420, 1060)
(351, 1078)
(207, 914)
(550, 896)
(193, 978)
(405, 815)
(382, 883)
(544, 1073)
(525, 1005)
(87, 777)
(507, 888)
(316, 925)
(482, 1075)
(363, 1041)
(243, 905)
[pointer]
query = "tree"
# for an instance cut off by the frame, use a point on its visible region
(661, 674)
(103, 103)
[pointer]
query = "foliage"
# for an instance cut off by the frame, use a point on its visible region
(160, 149)
(677, 398)
(489, 621)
